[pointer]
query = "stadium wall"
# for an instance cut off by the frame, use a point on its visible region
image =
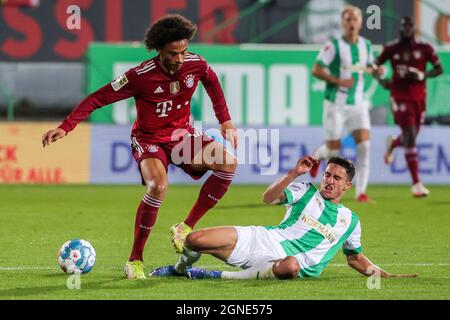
(100, 154)
(43, 33)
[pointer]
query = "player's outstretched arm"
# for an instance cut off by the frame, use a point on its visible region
(275, 192)
(120, 89)
(362, 264)
(52, 136)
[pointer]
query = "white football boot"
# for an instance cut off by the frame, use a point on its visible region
(418, 190)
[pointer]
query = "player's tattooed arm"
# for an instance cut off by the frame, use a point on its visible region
(274, 194)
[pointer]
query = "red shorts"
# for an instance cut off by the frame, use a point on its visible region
(408, 113)
(180, 153)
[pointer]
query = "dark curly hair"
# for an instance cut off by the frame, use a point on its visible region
(347, 164)
(170, 28)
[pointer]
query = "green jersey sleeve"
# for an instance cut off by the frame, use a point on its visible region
(326, 55)
(295, 192)
(353, 243)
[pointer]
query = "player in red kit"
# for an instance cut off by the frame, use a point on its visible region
(162, 134)
(409, 57)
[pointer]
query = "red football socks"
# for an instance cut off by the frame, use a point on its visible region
(145, 219)
(413, 163)
(211, 192)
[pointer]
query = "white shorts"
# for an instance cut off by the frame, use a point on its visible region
(336, 118)
(255, 244)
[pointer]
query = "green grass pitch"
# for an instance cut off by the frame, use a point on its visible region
(400, 234)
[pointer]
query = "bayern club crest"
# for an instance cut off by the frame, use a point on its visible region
(152, 148)
(189, 80)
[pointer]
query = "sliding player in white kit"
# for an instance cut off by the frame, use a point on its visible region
(316, 226)
(342, 63)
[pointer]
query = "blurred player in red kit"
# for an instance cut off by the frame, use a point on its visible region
(409, 57)
(19, 3)
(162, 134)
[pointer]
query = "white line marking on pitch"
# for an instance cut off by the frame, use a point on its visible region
(337, 265)
(400, 264)
(25, 268)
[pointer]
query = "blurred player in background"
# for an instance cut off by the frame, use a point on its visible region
(342, 63)
(409, 57)
(316, 226)
(19, 3)
(162, 134)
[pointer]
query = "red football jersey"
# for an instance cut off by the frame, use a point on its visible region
(162, 100)
(402, 57)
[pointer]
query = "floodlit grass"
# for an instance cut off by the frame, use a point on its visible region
(400, 234)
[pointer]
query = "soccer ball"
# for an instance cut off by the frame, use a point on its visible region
(76, 256)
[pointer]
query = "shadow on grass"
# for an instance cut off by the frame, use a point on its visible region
(439, 203)
(87, 286)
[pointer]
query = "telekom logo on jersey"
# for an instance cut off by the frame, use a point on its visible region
(166, 106)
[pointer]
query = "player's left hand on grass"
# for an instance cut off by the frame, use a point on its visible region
(52, 136)
(228, 131)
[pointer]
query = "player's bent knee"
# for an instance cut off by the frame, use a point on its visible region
(157, 188)
(194, 240)
(409, 141)
(161, 188)
(231, 165)
(234, 163)
(333, 146)
(288, 268)
(361, 135)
